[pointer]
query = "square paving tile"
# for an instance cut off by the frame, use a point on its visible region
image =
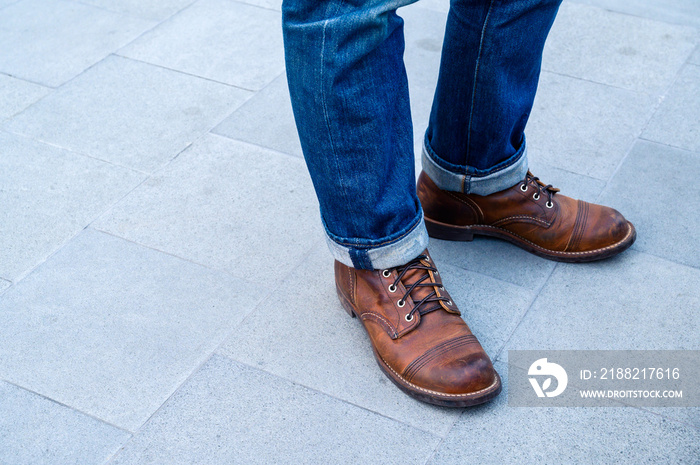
(320, 346)
(584, 127)
(222, 40)
(632, 301)
(47, 195)
(671, 11)
(495, 258)
(34, 430)
(112, 328)
(231, 413)
(155, 10)
(52, 41)
(226, 204)
(496, 434)
(129, 113)
(266, 120)
(16, 95)
(312, 341)
(657, 189)
(617, 49)
(677, 121)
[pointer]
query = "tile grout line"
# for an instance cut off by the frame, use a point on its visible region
(253, 94)
(133, 15)
(149, 30)
(253, 144)
(591, 81)
(243, 2)
(74, 409)
(164, 252)
(666, 144)
(665, 259)
(185, 73)
(19, 78)
(434, 452)
(660, 415)
(326, 394)
(73, 151)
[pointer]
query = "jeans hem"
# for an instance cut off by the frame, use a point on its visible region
(388, 255)
(512, 173)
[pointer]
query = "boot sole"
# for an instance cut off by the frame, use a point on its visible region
(451, 232)
(422, 394)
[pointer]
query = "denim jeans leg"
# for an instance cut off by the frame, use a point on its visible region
(489, 70)
(349, 93)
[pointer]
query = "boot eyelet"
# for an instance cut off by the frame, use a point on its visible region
(401, 303)
(523, 187)
(549, 204)
(409, 317)
(392, 288)
(449, 302)
(386, 273)
(536, 196)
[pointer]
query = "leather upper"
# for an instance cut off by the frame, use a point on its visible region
(436, 351)
(566, 225)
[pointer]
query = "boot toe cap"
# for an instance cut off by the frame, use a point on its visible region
(606, 227)
(461, 374)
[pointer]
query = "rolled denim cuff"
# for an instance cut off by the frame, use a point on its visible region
(386, 254)
(504, 178)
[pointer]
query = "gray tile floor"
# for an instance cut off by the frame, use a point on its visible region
(165, 291)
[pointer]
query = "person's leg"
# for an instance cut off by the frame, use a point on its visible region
(490, 66)
(350, 98)
(475, 176)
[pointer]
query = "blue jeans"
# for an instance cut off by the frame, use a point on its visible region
(349, 93)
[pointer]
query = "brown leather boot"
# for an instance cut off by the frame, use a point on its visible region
(529, 215)
(419, 340)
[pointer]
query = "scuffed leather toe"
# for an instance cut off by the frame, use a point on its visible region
(605, 227)
(467, 373)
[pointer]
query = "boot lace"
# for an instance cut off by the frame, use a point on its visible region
(540, 188)
(424, 305)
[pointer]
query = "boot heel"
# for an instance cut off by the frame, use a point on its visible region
(344, 302)
(447, 232)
